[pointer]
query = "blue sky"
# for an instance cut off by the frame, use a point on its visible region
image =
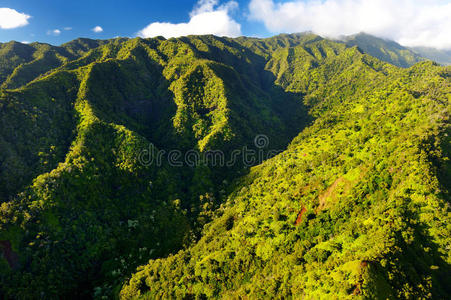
(409, 22)
(116, 17)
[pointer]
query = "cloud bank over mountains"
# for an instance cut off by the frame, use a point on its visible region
(409, 22)
(412, 23)
(207, 17)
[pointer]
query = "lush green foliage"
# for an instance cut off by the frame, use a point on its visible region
(377, 211)
(368, 163)
(72, 184)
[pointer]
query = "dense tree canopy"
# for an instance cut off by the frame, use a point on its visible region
(357, 205)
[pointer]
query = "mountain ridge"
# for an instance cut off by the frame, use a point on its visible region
(366, 145)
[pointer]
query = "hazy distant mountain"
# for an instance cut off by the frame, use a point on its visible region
(383, 49)
(392, 52)
(441, 56)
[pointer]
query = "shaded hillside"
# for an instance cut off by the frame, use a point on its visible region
(81, 190)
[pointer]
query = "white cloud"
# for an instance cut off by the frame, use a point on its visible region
(10, 18)
(67, 28)
(54, 32)
(97, 29)
(207, 17)
(409, 22)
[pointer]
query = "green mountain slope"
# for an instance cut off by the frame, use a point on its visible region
(80, 190)
(358, 206)
(89, 188)
(22, 63)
